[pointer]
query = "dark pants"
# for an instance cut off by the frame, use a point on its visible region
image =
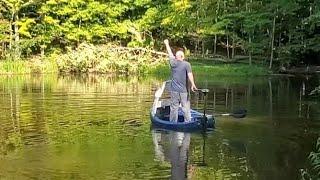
(176, 99)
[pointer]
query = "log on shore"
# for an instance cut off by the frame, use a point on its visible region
(301, 70)
(145, 50)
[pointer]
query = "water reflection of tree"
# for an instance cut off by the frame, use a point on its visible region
(280, 104)
(173, 147)
(230, 160)
(51, 109)
(18, 93)
(269, 94)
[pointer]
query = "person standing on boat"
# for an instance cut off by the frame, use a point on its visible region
(180, 74)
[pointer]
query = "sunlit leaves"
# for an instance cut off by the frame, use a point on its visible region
(145, 22)
(148, 20)
(50, 20)
(180, 5)
(4, 30)
(25, 24)
(142, 2)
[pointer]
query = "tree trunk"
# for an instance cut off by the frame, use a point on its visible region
(203, 48)
(196, 47)
(233, 49)
(16, 37)
(215, 36)
(228, 53)
(4, 49)
(250, 38)
(42, 48)
(272, 41)
(79, 27)
(197, 22)
(227, 94)
(250, 53)
(10, 35)
(215, 45)
(16, 28)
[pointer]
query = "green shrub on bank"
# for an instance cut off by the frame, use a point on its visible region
(110, 58)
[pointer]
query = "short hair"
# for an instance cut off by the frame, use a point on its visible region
(180, 53)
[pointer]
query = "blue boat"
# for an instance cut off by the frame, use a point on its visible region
(160, 113)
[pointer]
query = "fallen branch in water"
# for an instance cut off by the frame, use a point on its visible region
(110, 58)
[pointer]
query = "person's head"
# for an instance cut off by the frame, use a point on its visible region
(180, 55)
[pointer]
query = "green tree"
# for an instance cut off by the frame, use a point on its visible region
(11, 10)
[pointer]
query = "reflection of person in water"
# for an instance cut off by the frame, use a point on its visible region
(173, 147)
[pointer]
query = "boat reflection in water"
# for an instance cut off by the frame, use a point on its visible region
(173, 147)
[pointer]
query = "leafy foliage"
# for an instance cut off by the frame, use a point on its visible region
(249, 27)
(314, 159)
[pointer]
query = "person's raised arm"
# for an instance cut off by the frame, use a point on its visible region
(166, 43)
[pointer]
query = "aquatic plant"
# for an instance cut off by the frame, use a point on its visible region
(314, 160)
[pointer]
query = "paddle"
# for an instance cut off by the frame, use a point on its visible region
(204, 91)
(240, 113)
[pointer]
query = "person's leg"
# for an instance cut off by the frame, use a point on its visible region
(185, 103)
(175, 99)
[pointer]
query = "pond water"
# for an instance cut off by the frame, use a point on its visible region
(98, 127)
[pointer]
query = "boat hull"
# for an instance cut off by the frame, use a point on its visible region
(197, 122)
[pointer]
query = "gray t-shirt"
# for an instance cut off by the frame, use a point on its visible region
(179, 77)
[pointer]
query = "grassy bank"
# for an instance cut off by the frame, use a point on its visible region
(49, 66)
(113, 59)
(217, 70)
(30, 66)
(88, 58)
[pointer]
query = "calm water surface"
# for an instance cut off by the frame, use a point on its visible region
(98, 127)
